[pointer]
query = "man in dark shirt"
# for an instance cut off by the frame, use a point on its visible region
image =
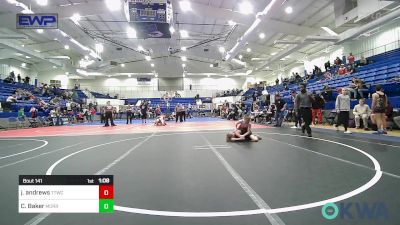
(317, 106)
(109, 114)
(304, 103)
(280, 105)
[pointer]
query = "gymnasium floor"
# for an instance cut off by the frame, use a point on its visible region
(188, 174)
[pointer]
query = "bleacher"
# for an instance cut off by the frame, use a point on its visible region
(384, 68)
(174, 101)
(99, 95)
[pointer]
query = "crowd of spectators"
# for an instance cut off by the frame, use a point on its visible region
(228, 93)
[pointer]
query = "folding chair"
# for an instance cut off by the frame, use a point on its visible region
(330, 118)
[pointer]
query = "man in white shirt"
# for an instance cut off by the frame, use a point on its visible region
(11, 99)
(362, 111)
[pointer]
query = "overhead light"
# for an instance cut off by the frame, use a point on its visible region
(23, 64)
(40, 31)
(288, 10)
(231, 23)
(226, 75)
(183, 65)
(86, 57)
(184, 58)
(76, 17)
(140, 48)
(28, 57)
(129, 75)
(131, 33)
(171, 29)
(122, 65)
(248, 50)
(54, 67)
(183, 75)
(79, 44)
(109, 76)
(113, 5)
(208, 75)
(36, 51)
(221, 49)
(55, 39)
(183, 49)
(329, 31)
(211, 65)
(152, 65)
(66, 73)
(274, 53)
(66, 47)
(240, 57)
(248, 72)
(99, 48)
(262, 36)
(184, 33)
(22, 45)
(41, 2)
(185, 6)
(148, 58)
(245, 8)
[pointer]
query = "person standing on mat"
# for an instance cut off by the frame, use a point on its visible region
(109, 114)
(129, 114)
(297, 116)
(379, 105)
(303, 104)
(143, 111)
(342, 107)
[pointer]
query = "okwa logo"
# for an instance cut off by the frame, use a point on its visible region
(355, 210)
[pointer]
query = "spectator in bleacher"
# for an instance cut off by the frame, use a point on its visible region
(351, 69)
(27, 79)
(317, 106)
(277, 81)
(342, 107)
(298, 78)
(254, 96)
(362, 111)
(255, 107)
(396, 79)
(379, 104)
(280, 105)
(19, 78)
(342, 70)
(11, 99)
(12, 76)
(327, 93)
(360, 88)
(338, 61)
(309, 77)
(351, 59)
(363, 61)
(34, 112)
(327, 75)
(327, 66)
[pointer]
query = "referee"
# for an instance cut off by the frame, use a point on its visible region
(304, 104)
(109, 114)
(129, 114)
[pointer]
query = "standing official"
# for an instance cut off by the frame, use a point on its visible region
(303, 104)
(129, 114)
(108, 111)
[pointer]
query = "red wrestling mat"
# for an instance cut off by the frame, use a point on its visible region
(121, 129)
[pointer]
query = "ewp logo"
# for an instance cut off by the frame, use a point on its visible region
(37, 21)
(350, 211)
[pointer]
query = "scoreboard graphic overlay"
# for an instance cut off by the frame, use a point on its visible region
(66, 194)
